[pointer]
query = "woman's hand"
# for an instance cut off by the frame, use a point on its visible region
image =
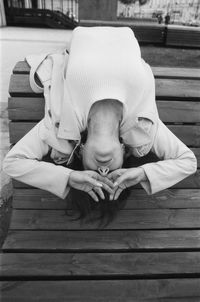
(90, 182)
(125, 178)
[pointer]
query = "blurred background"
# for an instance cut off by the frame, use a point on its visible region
(66, 13)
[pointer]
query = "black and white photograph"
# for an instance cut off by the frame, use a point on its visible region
(100, 150)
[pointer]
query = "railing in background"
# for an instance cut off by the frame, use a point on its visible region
(35, 12)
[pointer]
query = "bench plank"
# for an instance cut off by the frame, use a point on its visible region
(168, 290)
(126, 219)
(25, 108)
(138, 199)
(176, 72)
(191, 182)
(183, 36)
(190, 136)
(104, 240)
(22, 67)
(170, 88)
(119, 265)
(169, 111)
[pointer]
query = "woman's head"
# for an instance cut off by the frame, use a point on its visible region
(102, 146)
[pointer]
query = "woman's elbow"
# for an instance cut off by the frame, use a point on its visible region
(9, 164)
(192, 163)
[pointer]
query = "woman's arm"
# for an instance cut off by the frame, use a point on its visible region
(24, 163)
(177, 162)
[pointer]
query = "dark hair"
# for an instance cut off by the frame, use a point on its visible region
(82, 207)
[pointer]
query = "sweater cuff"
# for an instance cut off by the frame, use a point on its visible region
(146, 184)
(61, 189)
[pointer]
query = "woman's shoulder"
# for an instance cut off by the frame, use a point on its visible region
(41, 67)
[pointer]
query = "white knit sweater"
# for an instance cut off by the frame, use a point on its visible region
(105, 63)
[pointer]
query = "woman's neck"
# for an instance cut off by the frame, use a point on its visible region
(104, 118)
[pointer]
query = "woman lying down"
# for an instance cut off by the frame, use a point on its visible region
(100, 120)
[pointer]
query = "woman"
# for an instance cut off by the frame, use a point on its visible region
(102, 88)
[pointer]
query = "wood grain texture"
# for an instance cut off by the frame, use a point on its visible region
(191, 182)
(179, 36)
(99, 241)
(197, 154)
(119, 265)
(175, 89)
(22, 67)
(126, 219)
(189, 134)
(176, 72)
(165, 88)
(167, 290)
(138, 199)
(169, 111)
(26, 108)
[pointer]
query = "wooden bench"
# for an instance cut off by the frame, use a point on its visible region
(150, 252)
(183, 36)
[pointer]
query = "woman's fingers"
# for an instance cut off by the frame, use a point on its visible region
(115, 174)
(107, 188)
(107, 182)
(93, 195)
(122, 179)
(113, 193)
(93, 182)
(118, 192)
(99, 192)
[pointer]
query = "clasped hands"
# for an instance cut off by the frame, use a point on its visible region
(114, 183)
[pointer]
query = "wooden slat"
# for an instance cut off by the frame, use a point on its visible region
(197, 154)
(174, 88)
(191, 182)
(169, 111)
(20, 86)
(26, 108)
(170, 88)
(18, 130)
(167, 290)
(177, 111)
(104, 240)
(138, 199)
(22, 67)
(176, 72)
(126, 219)
(189, 134)
(180, 36)
(99, 264)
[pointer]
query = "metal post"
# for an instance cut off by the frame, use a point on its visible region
(71, 8)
